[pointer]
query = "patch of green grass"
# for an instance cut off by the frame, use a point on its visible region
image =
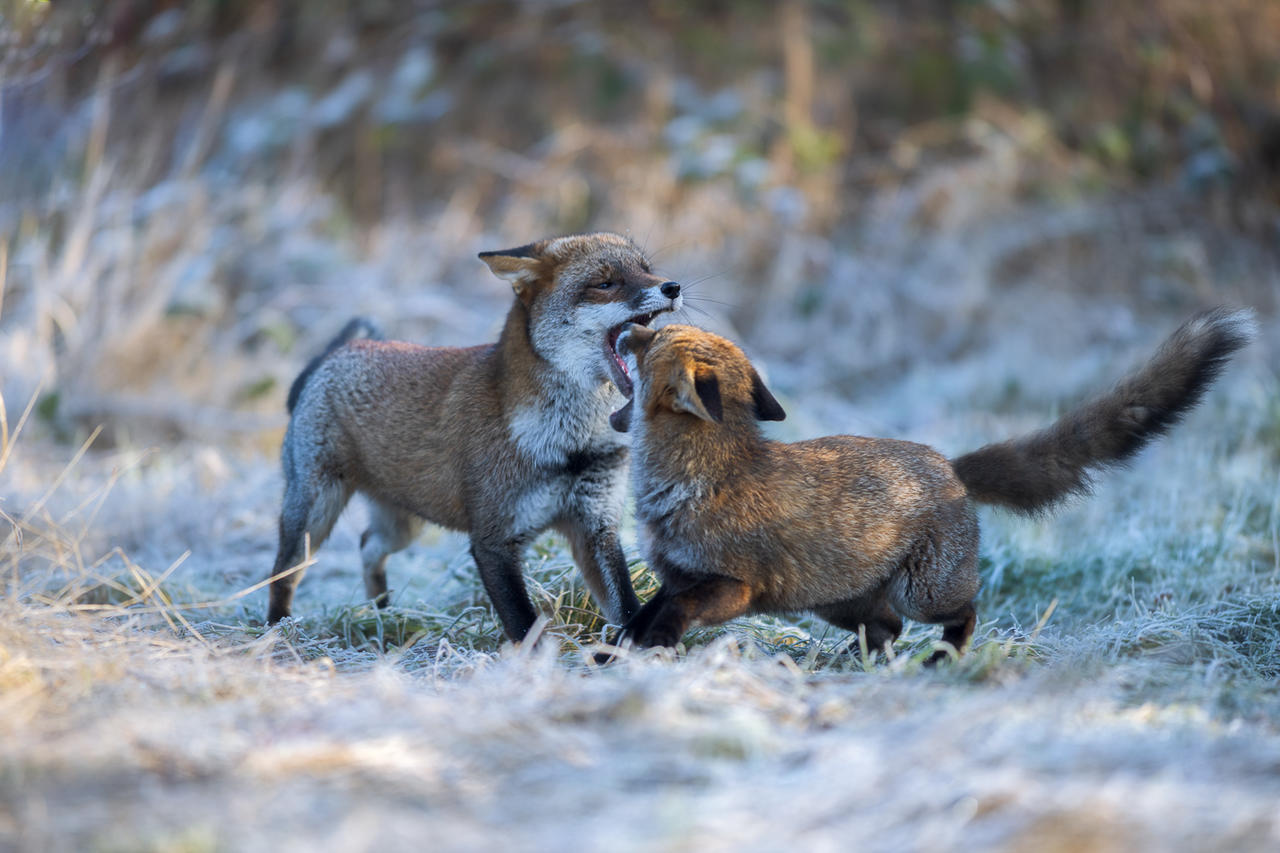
(195, 839)
(1081, 584)
(1267, 431)
(366, 628)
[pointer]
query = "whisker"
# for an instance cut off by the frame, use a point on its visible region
(698, 281)
(703, 312)
(735, 305)
(664, 247)
(645, 243)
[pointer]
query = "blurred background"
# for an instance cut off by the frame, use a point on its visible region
(877, 198)
(940, 220)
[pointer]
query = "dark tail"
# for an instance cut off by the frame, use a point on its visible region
(349, 331)
(1032, 473)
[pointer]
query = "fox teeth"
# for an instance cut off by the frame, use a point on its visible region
(623, 379)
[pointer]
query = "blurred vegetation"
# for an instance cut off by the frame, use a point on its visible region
(400, 103)
(191, 194)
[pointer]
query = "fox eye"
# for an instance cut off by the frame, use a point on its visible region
(605, 285)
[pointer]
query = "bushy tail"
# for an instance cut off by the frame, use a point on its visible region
(1032, 473)
(352, 330)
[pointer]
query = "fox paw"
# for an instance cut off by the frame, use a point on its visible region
(661, 636)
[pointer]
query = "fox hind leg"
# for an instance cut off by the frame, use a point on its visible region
(871, 612)
(311, 506)
(390, 530)
(938, 580)
(957, 629)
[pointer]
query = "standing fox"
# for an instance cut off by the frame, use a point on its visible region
(502, 441)
(861, 531)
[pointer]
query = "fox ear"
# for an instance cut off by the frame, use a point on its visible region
(767, 407)
(519, 266)
(699, 394)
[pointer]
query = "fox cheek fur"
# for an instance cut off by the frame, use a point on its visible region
(860, 531)
(502, 441)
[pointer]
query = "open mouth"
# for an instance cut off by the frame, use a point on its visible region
(617, 366)
(621, 419)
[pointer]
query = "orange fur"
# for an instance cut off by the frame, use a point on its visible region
(861, 531)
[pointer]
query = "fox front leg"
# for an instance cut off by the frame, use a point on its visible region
(501, 572)
(707, 601)
(599, 557)
(639, 624)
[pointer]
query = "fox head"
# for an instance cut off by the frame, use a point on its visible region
(580, 292)
(686, 372)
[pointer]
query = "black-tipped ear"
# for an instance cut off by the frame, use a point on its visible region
(698, 395)
(767, 407)
(707, 387)
(528, 250)
(519, 266)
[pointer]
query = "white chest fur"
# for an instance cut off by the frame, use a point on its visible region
(540, 505)
(563, 422)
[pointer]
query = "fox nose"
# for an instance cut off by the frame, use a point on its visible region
(670, 289)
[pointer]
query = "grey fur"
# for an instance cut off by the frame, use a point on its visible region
(349, 332)
(502, 441)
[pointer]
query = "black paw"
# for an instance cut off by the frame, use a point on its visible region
(659, 636)
(938, 657)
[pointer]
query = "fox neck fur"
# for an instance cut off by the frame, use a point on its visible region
(569, 412)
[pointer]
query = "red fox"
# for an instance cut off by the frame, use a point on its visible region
(502, 441)
(860, 531)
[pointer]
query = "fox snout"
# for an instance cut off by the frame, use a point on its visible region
(637, 338)
(631, 342)
(691, 371)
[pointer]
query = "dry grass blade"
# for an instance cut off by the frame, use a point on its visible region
(9, 441)
(4, 280)
(62, 475)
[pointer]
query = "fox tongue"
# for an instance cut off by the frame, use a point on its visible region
(621, 419)
(617, 367)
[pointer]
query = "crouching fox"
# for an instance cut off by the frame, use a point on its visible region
(860, 531)
(502, 441)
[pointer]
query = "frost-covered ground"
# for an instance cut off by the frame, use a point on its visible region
(1122, 688)
(116, 740)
